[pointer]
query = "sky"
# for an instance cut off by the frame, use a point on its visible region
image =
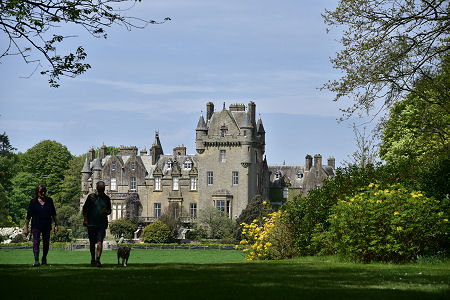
(275, 53)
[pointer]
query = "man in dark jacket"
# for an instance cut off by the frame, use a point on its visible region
(95, 212)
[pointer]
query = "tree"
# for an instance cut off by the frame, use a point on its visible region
(23, 187)
(366, 151)
(156, 232)
(70, 186)
(123, 227)
(133, 207)
(5, 218)
(387, 46)
(29, 26)
(418, 128)
(5, 146)
(47, 161)
(214, 222)
(256, 209)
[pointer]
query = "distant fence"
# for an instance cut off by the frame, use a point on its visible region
(107, 246)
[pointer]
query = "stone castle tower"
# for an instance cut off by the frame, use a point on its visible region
(230, 146)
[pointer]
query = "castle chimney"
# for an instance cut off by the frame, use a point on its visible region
(252, 112)
(318, 161)
(91, 154)
(103, 151)
(209, 110)
(308, 163)
(331, 162)
(179, 150)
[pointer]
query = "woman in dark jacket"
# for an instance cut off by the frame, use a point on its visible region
(41, 210)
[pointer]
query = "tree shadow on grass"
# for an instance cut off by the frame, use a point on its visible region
(258, 280)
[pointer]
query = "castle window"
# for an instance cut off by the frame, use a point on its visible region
(277, 175)
(245, 132)
(175, 186)
(193, 183)
(317, 173)
(220, 205)
(132, 183)
(222, 156)
(257, 180)
(157, 210)
(169, 164)
(157, 183)
(256, 156)
(223, 132)
(285, 193)
(209, 178)
(133, 166)
(188, 165)
(113, 184)
(299, 175)
(235, 178)
(113, 166)
(193, 210)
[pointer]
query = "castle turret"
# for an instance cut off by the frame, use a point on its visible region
(85, 174)
(97, 171)
(246, 149)
(156, 149)
(200, 132)
(261, 133)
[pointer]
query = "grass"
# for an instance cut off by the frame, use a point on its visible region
(215, 274)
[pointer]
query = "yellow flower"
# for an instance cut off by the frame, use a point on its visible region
(236, 247)
(445, 220)
(335, 217)
(399, 228)
(379, 201)
(371, 185)
(396, 213)
(243, 242)
(264, 202)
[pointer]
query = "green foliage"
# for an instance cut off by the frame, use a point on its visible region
(256, 209)
(215, 223)
(24, 185)
(47, 161)
(5, 146)
(63, 235)
(29, 28)
(8, 169)
(5, 218)
(386, 46)
(123, 227)
(391, 225)
(20, 238)
(70, 187)
(156, 232)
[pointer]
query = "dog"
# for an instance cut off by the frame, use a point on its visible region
(124, 253)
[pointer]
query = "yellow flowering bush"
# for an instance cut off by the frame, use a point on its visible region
(390, 224)
(269, 238)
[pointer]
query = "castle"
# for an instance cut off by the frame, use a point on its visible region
(227, 171)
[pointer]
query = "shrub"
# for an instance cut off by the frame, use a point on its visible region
(20, 238)
(63, 235)
(256, 209)
(391, 225)
(270, 238)
(156, 232)
(123, 227)
(214, 223)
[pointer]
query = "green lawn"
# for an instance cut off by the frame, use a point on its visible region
(218, 274)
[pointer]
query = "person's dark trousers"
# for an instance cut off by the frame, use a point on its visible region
(36, 241)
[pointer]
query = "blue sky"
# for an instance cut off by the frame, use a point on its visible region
(275, 53)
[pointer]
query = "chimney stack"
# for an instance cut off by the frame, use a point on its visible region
(209, 110)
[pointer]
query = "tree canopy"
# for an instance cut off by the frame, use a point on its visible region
(30, 27)
(387, 45)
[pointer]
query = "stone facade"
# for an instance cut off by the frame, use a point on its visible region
(228, 170)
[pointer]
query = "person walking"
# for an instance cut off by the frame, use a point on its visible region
(95, 211)
(41, 210)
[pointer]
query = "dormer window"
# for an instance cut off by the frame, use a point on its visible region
(299, 175)
(223, 132)
(133, 166)
(169, 164)
(278, 175)
(187, 165)
(113, 166)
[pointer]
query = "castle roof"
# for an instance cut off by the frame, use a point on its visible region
(98, 164)
(201, 125)
(259, 126)
(86, 167)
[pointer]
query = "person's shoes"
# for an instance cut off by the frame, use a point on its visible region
(93, 263)
(98, 264)
(44, 262)
(36, 264)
